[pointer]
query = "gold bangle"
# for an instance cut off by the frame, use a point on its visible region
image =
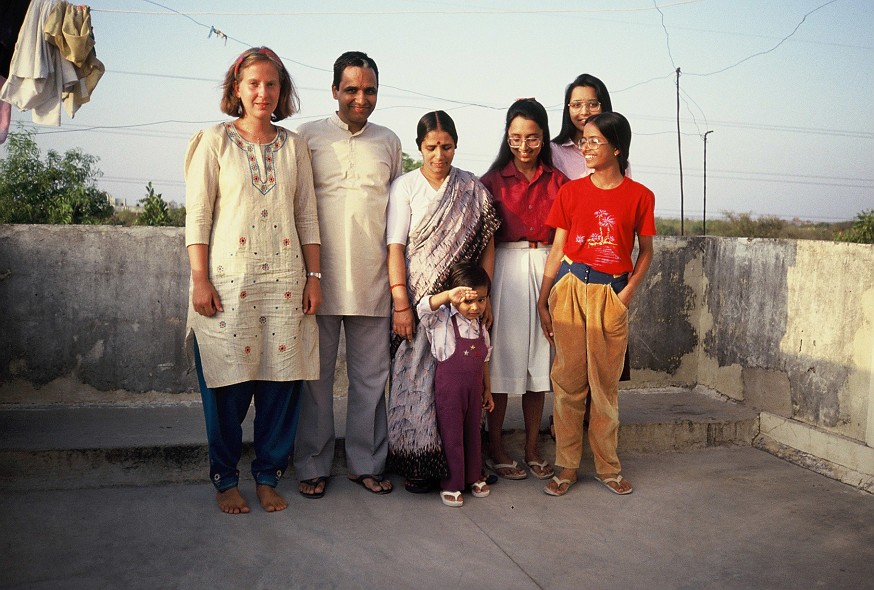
(404, 309)
(392, 288)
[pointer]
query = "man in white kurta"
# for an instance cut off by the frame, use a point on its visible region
(354, 162)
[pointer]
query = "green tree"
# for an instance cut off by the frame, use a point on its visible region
(862, 230)
(155, 210)
(61, 189)
(177, 216)
(409, 164)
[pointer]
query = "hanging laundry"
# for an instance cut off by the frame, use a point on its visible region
(40, 78)
(68, 27)
(11, 16)
(5, 116)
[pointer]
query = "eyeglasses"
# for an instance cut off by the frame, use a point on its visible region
(591, 105)
(532, 142)
(593, 142)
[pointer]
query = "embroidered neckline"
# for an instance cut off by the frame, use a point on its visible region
(265, 181)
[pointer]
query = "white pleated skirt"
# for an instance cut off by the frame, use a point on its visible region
(521, 355)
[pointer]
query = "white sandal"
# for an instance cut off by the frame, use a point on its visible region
(452, 499)
(617, 479)
(477, 489)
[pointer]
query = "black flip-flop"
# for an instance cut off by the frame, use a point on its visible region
(377, 478)
(315, 483)
(419, 486)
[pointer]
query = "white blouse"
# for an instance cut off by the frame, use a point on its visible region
(409, 199)
(438, 326)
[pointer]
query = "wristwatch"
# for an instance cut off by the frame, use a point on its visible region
(318, 275)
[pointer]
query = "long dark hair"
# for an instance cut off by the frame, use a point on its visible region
(530, 109)
(568, 129)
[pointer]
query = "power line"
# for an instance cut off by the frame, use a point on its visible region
(495, 12)
(74, 128)
(774, 48)
(492, 12)
(739, 177)
(129, 180)
(414, 92)
(455, 12)
(645, 82)
(667, 35)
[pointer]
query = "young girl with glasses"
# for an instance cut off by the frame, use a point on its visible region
(584, 97)
(588, 285)
(523, 183)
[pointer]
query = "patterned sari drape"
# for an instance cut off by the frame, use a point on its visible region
(457, 228)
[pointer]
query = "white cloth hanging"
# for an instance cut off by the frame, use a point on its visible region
(39, 76)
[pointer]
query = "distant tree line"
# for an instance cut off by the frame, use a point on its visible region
(744, 225)
(63, 189)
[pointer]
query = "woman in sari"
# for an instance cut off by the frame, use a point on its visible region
(437, 215)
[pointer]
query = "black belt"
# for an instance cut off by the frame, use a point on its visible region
(587, 274)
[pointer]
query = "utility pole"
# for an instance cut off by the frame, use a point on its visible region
(680, 156)
(704, 231)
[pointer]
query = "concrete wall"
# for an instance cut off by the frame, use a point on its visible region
(785, 326)
(99, 305)
(788, 327)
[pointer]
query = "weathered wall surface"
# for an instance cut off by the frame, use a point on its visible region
(102, 305)
(663, 318)
(785, 326)
(105, 306)
(792, 328)
(788, 328)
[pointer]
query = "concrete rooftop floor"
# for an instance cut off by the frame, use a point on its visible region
(716, 517)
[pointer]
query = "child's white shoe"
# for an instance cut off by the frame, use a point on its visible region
(480, 489)
(452, 499)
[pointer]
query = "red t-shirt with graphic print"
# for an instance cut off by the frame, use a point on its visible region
(601, 224)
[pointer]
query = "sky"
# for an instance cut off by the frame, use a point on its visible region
(785, 86)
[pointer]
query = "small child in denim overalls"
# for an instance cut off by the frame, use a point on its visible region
(461, 345)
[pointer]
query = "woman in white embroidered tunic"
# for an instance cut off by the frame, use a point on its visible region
(252, 236)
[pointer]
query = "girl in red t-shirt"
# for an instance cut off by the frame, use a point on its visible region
(588, 283)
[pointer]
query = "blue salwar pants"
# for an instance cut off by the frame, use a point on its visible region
(277, 407)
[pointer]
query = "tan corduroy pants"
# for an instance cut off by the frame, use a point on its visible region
(590, 326)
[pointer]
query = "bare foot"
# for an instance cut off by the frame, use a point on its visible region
(232, 502)
(270, 500)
